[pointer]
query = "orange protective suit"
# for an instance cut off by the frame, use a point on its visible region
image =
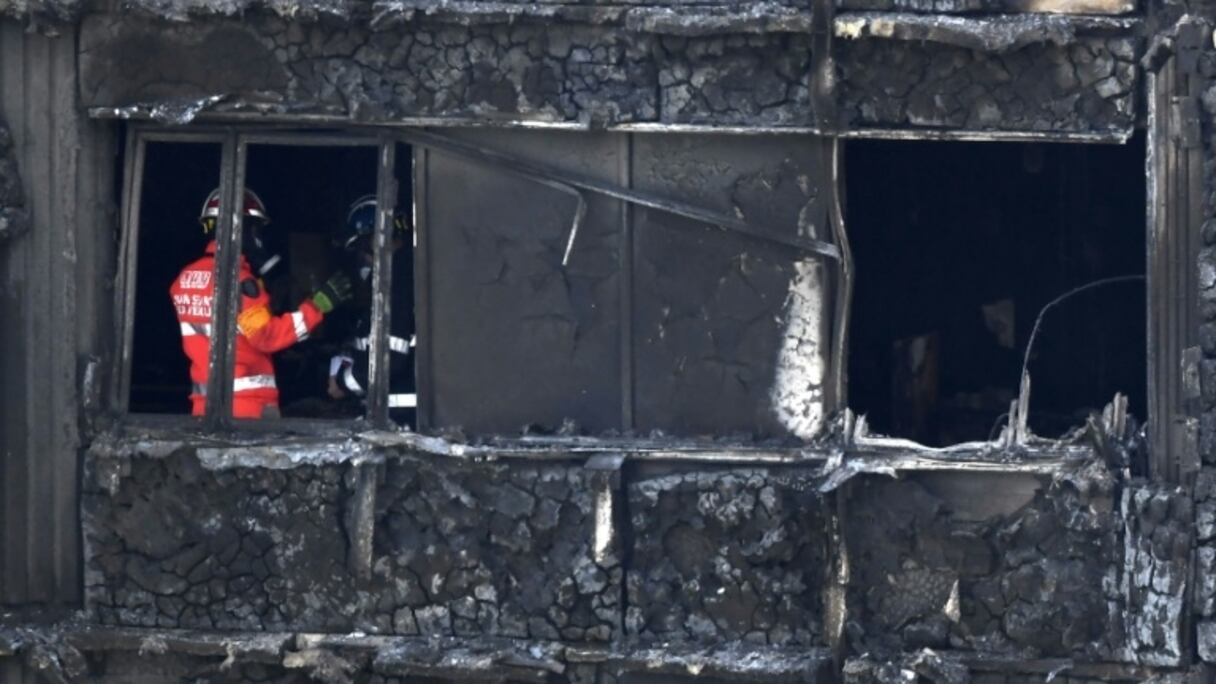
(259, 334)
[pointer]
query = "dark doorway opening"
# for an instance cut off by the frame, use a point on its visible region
(957, 247)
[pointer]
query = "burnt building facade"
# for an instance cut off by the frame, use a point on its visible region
(853, 341)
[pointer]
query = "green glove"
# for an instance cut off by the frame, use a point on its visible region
(334, 292)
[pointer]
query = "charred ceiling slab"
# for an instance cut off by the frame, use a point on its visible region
(1042, 73)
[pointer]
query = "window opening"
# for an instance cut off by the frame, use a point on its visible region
(301, 190)
(308, 191)
(957, 247)
(176, 178)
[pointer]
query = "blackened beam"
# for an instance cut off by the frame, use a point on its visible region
(724, 221)
(227, 298)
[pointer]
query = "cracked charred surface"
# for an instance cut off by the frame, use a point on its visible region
(495, 550)
(1038, 577)
(731, 556)
(1204, 593)
(1158, 522)
(521, 71)
(458, 550)
(13, 218)
(1082, 86)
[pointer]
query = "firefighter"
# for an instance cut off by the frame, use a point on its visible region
(259, 332)
(348, 370)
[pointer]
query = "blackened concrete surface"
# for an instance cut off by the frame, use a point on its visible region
(458, 550)
(724, 556)
(1205, 487)
(1086, 84)
(524, 71)
(972, 74)
(1032, 575)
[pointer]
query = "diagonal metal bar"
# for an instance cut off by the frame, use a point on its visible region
(538, 171)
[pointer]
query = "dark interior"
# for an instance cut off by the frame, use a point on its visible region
(307, 191)
(957, 246)
(177, 179)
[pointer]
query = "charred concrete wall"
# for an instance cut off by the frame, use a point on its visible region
(1087, 85)
(1067, 568)
(1205, 487)
(1060, 75)
(520, 550)
(725, 556)
(456, 550)
(519, 71)
(931, 575)
(393, 544)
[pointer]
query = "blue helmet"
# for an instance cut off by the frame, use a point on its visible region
(361, 222)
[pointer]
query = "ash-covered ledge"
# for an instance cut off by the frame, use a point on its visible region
(832, 455)
(64, 652)
(676, 19)
(997, 34)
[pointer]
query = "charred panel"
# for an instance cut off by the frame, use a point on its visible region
(456, 550)
(517, 339)
(730, 331)
(991, 563)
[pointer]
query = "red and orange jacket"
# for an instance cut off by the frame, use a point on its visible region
(259, 334)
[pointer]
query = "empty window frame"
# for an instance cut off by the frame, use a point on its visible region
(306, 184)
(958, 247)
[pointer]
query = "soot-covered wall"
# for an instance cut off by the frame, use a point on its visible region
(1205, 487)
(1052, 74)
(431, 69)
(1086, 85)
(391, 542)
(205, 540)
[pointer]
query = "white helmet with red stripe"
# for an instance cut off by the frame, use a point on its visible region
(209, 216)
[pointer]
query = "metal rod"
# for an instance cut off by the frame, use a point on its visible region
(423, 362)
(723, 221)
(226, 300)
(1038, 321)
(844, 296)
(625, 259)
(133, 172)
(294, 121)
(382, 283)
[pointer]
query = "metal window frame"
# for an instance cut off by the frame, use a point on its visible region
(235, 142)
